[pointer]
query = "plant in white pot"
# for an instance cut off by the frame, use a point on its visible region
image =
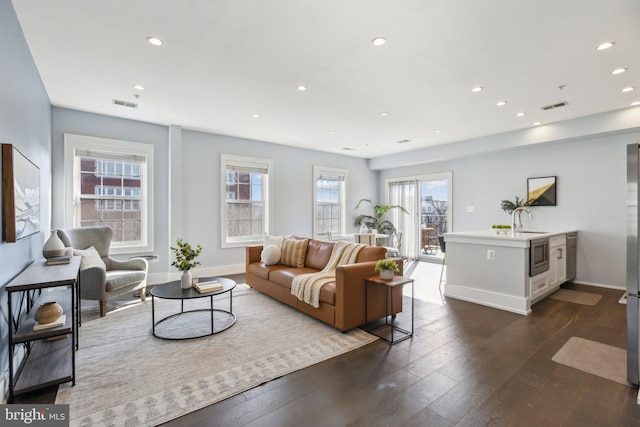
(387, 268)
(185, 260)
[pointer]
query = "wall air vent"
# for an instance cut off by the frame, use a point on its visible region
(125, 103)
(552, 106)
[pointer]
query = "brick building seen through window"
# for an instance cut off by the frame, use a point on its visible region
(111, 195)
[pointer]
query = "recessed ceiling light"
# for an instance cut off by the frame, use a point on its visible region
(383, 143)
(384, 114)
(537, 123)
(331, 132)
(634, 103)
(618, 71)
(378, 41)
(520, 114)
(501, 103)
(476, 89)
(138, 87)
(605, 45)
(301, 88)
(438, 130)
(628, 89)
(154, 41)
(255, 115)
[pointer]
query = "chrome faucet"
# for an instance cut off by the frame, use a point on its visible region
(513, 217)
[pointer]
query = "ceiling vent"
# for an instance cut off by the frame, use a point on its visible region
(551, 107)
(348, 149)
(125, 103)
(403, 141)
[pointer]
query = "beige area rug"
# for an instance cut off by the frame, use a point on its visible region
(127, 377)
(595, 358)
(577, 297)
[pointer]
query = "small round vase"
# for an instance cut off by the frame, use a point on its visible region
(53, 246)
(386, 274)
(48, 312)
(186, 279)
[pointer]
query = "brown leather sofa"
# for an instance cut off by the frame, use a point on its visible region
(341, 302)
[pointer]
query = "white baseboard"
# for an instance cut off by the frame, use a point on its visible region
(221, 270)
(598, 285)
(505, 302)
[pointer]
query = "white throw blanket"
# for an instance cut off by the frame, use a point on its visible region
(306, 287)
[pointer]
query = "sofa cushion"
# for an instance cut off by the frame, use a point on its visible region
(284, 277)
(271, 255)
(293, 252)
(318, 253)
(262, 271)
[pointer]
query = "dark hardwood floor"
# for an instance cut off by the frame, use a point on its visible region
(467, 365)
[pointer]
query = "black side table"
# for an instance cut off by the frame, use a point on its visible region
(172, 290)
(389, 285)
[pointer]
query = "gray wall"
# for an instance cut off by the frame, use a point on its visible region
(591, 180)
(25, 122)
(187, 184)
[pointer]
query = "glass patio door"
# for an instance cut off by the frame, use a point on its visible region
(434, 192)
(427, 198)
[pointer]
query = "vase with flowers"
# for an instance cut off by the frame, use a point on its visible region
(185, 260)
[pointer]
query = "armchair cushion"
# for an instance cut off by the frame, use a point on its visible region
(117, 279)
(90, 258)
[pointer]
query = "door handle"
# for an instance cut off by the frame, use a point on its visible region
(559, 253)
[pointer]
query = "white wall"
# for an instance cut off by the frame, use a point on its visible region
(25, 122)
(591, 183)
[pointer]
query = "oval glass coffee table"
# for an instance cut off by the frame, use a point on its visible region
(190, 324)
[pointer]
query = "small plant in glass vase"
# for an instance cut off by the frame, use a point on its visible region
(387, 268)
(185, 260)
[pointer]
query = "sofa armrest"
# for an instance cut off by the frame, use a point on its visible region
(350, 292)
(253, 254)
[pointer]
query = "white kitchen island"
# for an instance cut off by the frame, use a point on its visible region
(492, 268)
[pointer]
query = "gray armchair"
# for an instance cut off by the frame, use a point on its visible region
(101, 282)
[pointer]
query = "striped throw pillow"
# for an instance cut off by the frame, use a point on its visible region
(293, 252)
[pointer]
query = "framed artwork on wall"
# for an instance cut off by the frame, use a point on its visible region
(20, 194)
(542, 190)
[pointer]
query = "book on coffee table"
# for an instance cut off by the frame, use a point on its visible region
(208, 286)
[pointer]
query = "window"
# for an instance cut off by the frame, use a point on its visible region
(329, 201)
(107, 184)
(245, 205)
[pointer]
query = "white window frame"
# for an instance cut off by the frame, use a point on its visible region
(267, 205)
(72, 143)
(319, 171)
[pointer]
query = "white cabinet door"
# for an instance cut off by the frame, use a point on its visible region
(557, 261)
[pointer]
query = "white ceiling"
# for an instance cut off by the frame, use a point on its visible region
(224, 60)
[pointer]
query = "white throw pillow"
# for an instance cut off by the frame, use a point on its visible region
(90, 258)
(271, 255)
(273, 240)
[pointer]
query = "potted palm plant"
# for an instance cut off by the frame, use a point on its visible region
(185, 260)
(387, 268)
(377, 219)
